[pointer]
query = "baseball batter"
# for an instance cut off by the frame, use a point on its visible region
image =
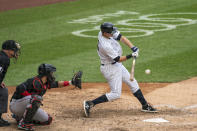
(110, 53)
(27, 99)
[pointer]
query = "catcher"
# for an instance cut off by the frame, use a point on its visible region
(27, 99)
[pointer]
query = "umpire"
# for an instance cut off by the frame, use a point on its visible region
(10, 49)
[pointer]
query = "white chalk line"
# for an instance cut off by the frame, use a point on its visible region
(134, 25)
(98, 18)
(176, 108)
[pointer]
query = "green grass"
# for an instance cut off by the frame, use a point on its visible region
(45, 36)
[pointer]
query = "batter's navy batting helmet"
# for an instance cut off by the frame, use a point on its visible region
(108, 27)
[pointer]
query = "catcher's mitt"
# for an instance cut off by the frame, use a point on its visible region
(76, 79)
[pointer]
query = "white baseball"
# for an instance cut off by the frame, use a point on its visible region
(147, 71)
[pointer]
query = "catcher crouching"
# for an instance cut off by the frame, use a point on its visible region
(27, 99)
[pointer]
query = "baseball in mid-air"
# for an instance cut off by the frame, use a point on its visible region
(147, 71)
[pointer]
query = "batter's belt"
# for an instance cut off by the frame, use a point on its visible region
(111, 63)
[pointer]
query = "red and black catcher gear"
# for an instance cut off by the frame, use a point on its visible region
(47, 70)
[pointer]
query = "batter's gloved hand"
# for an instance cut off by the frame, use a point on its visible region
(135, 49)
(135, 54)
(76, 79)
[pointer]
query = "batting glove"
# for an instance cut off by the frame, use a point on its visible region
(135, 49)
(135, 54)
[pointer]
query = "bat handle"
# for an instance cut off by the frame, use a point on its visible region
(132, 69)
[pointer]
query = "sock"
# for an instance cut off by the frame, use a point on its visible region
(138, 94)
(100, 99)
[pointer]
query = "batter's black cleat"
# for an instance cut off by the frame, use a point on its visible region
(86, 106)
(25, 126)
(149, 108)
(3, 122)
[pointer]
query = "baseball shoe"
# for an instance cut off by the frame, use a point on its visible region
(86, 106)
(25, 126)
(3, 122)
(149, 108)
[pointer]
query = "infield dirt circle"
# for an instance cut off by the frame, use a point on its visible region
(176, 102)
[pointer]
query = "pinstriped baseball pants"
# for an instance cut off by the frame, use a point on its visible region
(115, 74)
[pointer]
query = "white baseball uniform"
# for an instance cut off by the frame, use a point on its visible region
(114, 72)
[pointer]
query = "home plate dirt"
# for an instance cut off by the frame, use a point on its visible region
(176, 102)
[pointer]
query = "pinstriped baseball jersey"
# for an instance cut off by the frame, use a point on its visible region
(108, 48)
(115, 74)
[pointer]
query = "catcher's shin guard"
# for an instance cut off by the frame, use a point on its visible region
(32, 108)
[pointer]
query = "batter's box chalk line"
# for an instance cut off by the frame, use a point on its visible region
(176, 108)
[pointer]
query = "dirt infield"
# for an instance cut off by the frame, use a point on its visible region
(18, 4)
(176, 103)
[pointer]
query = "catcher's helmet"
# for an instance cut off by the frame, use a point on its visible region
(108, 27)
(12, 45)
(47, 70)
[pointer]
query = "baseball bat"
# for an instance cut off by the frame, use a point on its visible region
(132, 69)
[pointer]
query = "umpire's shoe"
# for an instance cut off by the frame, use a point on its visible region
(149, 108)
(3, 122)
(86, 106)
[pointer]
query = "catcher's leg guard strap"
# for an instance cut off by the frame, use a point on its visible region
(32, 108)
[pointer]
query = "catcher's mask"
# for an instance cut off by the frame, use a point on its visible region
(12, 45)
(108, 28)
(47, 70)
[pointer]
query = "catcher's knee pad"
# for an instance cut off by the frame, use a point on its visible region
(36, 100)
(32, 108)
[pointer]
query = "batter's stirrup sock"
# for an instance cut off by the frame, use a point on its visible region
(138, 94)
(100, 99)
